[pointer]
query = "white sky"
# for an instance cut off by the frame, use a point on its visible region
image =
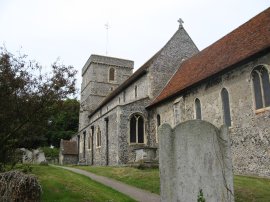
(75, 29)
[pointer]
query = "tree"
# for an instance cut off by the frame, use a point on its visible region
(26, 100)
(64, 123)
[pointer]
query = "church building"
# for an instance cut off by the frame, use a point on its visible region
(226, 83)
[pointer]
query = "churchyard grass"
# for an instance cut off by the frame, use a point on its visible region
(246, 188)
(251, 189)
(142, 178)
(65, 186)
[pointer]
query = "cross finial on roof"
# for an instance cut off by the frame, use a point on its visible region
(180, 22)
(107, 36)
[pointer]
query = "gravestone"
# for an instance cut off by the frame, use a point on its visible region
(145, 154)
(194, 156)
(34, 156)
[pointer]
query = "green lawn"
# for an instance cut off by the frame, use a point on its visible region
(145, 179)
(60, 185)
(63, 186)
(251, 189)
(246, 188)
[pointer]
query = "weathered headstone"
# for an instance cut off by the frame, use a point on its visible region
(145, 154)
(194, 156)
(34, 156)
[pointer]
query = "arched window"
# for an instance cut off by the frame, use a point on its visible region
(111, 74)
(136, 91)
(136, 129)
(176, 113)
(226, 107)
(198, 111)
(124, 96)
(90, 141)
(140, 133)
(158, 124)
(79, 142)
(98, 137)
(261, 87)
(158, 120)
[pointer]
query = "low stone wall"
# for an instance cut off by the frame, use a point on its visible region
(70, 159)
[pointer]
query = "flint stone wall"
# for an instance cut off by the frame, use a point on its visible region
(249, 130)
(195, 155)
(69, 159)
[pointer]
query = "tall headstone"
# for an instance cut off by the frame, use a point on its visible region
(195, 161)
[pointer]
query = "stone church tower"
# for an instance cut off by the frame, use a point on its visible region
(100, 76)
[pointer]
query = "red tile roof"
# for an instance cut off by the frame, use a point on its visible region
(245, 41)
(69, 147)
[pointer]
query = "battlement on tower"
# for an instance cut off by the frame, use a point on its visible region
(105, 60)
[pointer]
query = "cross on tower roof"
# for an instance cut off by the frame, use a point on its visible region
(180, 22)
(107, 36)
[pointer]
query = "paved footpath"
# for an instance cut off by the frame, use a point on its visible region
(133, 192)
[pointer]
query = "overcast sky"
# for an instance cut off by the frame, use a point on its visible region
(74, 29)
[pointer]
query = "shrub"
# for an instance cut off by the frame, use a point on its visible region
(50, 152)
(44, 163)
(17, 186)
(200, 196)
(26, 168)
